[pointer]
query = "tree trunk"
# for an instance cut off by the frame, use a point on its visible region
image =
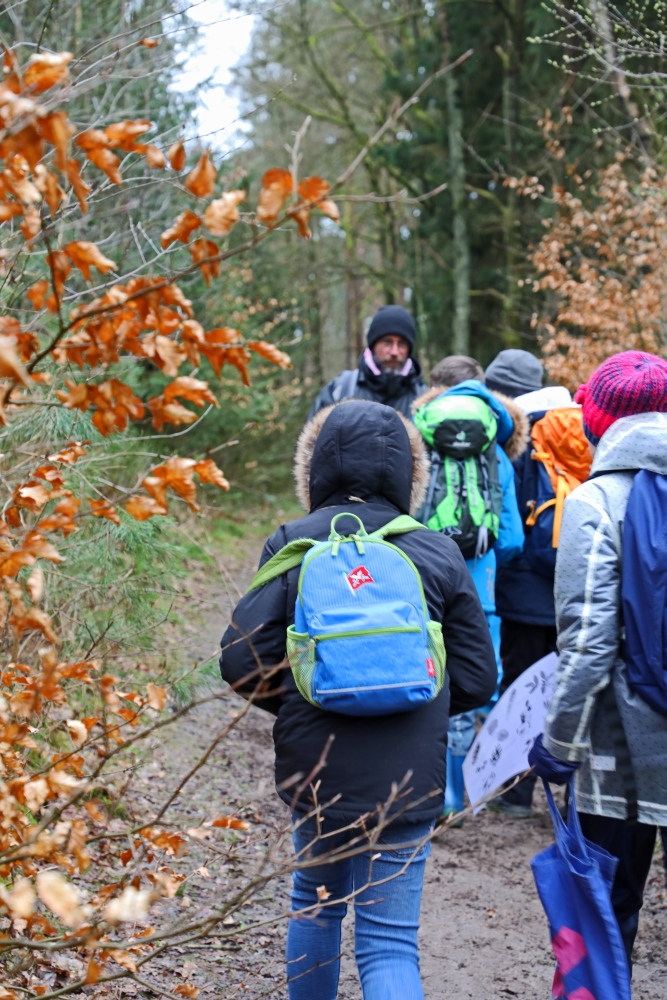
(457, 184)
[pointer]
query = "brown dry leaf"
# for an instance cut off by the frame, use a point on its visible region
(126, 960)
(34, 620)
(71, 453)
(228, 822)
(201, 179)
(37, 293)
(79, 186)
(201, 249)
(276, 187)
(157, 696)
(60, 269)
(212, 347)
(21, 900)
(187, 990)
(36, 793)
(58, 130)
(92, 138)
(107, 162)
(193, 389)
(149, 43)
(96, 811)
(169, 413)
(10, 366)
(101, 508)
(240, 358)
(209, 472)
(77, 731)
(10, 210)
(53, 193)
(322, 893)
(93, 972)
(36, 585)
(176, 155)
(155, 158)
(185, 224)
(311, 189)
(61, 897)
(132, 904)
(124, 134)
(32, 222)
(141, 508)
(223, 212)
(85, 255)
(270, 352)
(45, 69)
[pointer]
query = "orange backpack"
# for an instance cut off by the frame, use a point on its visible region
(560, 444)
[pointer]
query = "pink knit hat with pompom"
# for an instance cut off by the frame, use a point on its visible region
(628, 383)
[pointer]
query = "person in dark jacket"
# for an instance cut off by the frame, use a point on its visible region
(524, 598)
(364, 458)
(386, 372)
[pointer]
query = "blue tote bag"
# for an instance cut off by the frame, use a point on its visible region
(574, 879)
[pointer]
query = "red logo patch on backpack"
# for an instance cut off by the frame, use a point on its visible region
(430, 667)
(358, 577)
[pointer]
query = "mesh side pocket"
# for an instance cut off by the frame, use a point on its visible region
(436, 648)
(301, 656)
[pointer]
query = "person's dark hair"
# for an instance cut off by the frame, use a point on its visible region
(454, 369)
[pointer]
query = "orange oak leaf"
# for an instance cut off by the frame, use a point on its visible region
(108, 162)
(92, 138)
(240, 358)
(149, 43)
(53, 193)
(79, 186)
(58, 130)
(311, 189)
(209, 472)
(9, 210)
(71, 453)
(222, 213)
(85, 255)
(270, 353)
(45, 69)
(101, 508)
(276, 187)
(176, 155)
(201, 249)
(124, 134)
(176, 474)
(184, 224)
(60, 269)
(10, 366)
(201, 179)
(155, 158)
(32, 222)
(37, 293)
(141, 508)
(212, 347)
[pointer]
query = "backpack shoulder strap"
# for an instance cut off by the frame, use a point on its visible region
(346, 385)
(398, 526)
(290, 556)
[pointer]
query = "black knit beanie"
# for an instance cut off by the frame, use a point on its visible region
(390, 320)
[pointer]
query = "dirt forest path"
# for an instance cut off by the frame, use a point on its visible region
(483, 932)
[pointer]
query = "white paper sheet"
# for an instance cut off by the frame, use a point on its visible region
(500, 750)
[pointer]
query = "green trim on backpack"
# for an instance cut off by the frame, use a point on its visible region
(292, 554)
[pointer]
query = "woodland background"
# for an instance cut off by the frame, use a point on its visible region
(521, 201)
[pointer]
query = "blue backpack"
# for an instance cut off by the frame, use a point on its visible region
(362, 642)
(644, 588)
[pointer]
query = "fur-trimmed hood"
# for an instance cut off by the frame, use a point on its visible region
(362, 451)
(514, 440)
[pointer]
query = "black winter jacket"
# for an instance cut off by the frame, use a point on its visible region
(397, 391)
(363, 450)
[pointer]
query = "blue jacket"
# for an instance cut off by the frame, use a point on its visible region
(512, 436)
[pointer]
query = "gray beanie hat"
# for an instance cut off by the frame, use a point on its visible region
(514, 372)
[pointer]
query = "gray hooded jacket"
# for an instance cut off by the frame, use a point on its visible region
(591, 694)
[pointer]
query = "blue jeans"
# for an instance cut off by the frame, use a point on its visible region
(386, 917)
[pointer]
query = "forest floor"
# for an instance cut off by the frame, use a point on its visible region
(483, 931)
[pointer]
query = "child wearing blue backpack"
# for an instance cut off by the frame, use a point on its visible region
(360, 630)
(608, 717)
(474, 435)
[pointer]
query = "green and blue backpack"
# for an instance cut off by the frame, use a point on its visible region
(465, 497)
(362, 642)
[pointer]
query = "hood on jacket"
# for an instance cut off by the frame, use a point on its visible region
(363, 450)
(513, 426)
(637, 442)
